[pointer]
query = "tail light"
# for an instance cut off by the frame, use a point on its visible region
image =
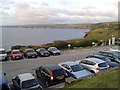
(97, 68)
(51, 76)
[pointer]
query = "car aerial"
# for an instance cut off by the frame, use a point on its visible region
(30, 53)
(43, 52)
(94, 65)
(112, 55)
(74, 69)
(3, 82)
(50, 74)
(16, 54)
(3, 55)
(109, 62)
(54, 51)
(26, 81)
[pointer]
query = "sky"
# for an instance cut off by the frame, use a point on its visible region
(20, 12)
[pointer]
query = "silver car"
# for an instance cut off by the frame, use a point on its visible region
(74, 69)
(26, 81)
(94, 65)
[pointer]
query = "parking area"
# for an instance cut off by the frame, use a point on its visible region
(13, 68)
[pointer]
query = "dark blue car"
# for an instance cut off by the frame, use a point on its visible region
(3, 82)
(109, 62)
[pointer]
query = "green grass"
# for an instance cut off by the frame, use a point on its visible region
(107, 80)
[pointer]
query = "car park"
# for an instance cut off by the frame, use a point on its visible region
(30, 53)
(3, 55)
(43, 52)
(108, 61)
(74, 69)
(26, 81)
(50, 74)
(54, 51)
(3, 82)
(16, 54)
(112, 55)
(94, 65)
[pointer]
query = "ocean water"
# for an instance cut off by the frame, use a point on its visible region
(38, 36)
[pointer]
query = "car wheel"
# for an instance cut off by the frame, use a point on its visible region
(47, 83)
(92, 71)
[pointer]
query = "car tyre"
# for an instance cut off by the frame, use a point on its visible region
(92, 71)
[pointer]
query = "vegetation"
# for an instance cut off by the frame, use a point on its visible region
(107, 80)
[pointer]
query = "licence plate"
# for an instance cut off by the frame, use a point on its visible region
(60, 78)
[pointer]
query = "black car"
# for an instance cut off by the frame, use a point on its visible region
(109, 62)
(43, 52)
(50, 74)
(112, 55)
(54, 51)
(30, 53)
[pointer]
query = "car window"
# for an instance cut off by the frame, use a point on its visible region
(84, 61)
(2, 52)
(59, 72)
(16, 52)
(29, 83)
(90, 63)
(66, 66)
(102, 65)
(76, 68)
(45, 70)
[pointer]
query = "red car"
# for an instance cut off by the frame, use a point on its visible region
(16, 54)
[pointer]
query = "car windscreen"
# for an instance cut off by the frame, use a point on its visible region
(16, 52)
(59, 72)
(102, 65)
(117, 54)
(76, 68)
(54, 49)
(30, 51)
(106, 59)
(29, 83)
(2, 52)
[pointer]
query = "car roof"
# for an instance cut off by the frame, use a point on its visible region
(107, 51)
(96, 60)
(15, 50)
(97, 56)
(26, 76)
(53, 67)
(2, 49)
(70, 63)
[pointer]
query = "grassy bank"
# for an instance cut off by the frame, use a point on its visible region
(107, 80)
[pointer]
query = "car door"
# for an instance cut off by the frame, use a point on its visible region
(16, 82)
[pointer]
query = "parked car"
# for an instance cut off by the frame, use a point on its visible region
(26, 81)
(50, 74)
(94, 65)
(30, 53)
(74, 69)
(54, 51)
(112, 55)
(3, 82)
(109, 62)
(16, 54)
(3, 55)
(43, 52)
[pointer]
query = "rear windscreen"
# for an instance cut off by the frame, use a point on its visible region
(59, 72)
(102, 65)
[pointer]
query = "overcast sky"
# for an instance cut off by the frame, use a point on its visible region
(15, 12)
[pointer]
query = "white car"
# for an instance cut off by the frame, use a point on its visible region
(26, 81)
(54, 51)
(74, 70)
(94, 65)
(3, 55)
